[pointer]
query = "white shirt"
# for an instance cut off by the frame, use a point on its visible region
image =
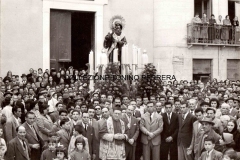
(85, 125)
(170, 115)
(230, 110)
(185, 115)
(52, 105)
(18, 120)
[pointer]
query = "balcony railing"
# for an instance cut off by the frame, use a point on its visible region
(213, 35)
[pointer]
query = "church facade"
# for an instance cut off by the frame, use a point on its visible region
(47, 33)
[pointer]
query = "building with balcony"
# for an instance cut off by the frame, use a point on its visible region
(61, 33)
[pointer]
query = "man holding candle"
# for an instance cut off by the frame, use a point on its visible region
(116, 39)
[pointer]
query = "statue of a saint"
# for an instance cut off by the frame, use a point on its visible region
(115, 39)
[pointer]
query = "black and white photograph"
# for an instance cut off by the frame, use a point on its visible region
(119, 80)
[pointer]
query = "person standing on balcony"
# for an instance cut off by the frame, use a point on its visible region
(235, 23)
(204, 29)
(219, 29)
(211, 29)
(196, 21)
(225, 29)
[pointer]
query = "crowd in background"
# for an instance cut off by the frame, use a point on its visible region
(53, 115)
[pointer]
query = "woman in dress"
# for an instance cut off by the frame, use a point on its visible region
(211, 29)
(196, 21)
(225, 29)
(204, 28)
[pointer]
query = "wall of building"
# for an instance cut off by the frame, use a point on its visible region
(21, 35)
(170, 30)
(139, 22)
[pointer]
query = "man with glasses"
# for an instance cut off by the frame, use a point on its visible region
(98, 113)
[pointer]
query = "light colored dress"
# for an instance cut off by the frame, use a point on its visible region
(196, 27)
(225, 29)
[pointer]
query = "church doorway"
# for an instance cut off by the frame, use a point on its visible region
(71, 38)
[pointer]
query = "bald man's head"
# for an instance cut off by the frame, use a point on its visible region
(21, 132)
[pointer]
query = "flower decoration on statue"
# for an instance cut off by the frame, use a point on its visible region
(113, 86)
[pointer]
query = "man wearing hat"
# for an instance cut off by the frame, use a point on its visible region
(24, 80)
(207, 125)
(218, 127)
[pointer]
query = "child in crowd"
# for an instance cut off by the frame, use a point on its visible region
(60, 153)
(80, 153)
(77, 133)
(50, 153)
(53, 136)
(210, 152)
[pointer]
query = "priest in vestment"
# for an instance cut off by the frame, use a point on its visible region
(112, 134)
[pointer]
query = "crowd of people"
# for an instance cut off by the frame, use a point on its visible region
(211, 30)
(53, 115)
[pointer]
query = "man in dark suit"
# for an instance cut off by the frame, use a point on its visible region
(151, 126)
(18, 148)
(132, 131)
(186, 121)
(33, 135)
(89, 134)
(169, 134)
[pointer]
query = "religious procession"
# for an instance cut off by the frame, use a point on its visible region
(119, 80)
